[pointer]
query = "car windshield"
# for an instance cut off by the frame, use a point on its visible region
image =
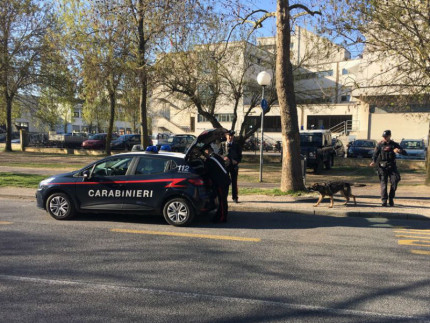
(97, 137)
(412, 144)
(311, 139)
(364, 143)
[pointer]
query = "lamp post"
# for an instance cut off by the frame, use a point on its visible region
(263, 79)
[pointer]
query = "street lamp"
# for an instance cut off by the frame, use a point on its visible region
(263, 79)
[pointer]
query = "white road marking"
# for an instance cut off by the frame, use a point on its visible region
(221, 298)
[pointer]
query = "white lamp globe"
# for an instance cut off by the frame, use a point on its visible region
(264, 78)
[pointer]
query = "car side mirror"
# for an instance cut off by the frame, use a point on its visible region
(86, 174)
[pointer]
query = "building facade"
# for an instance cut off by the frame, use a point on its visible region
(333, 91)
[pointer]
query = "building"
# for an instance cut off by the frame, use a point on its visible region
(348, 95)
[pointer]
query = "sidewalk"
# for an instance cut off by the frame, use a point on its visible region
(412, 202)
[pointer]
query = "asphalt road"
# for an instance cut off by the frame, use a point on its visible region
(259, 267)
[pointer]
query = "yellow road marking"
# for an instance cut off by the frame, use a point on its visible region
(420, 252)
(414, 231)
(416, 237)
(190, 235)
(412, 243)
(5, 222)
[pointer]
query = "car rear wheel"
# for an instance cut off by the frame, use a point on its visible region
(178, 212)
(318, 166)
(60, 207)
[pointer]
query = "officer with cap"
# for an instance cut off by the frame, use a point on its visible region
(232, 153)
(384, 157)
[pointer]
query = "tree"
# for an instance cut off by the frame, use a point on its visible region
(23, 26)
(395, 35)
(150, 22)
(101, 41)
(291, 165)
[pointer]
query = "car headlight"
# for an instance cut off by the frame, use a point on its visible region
(46, 182)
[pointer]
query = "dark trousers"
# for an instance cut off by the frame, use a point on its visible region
(222, 194)
(233, 176)
(385, 174)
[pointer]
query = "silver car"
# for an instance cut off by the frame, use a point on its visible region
(415, 148)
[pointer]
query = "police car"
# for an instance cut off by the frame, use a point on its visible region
(171, 184)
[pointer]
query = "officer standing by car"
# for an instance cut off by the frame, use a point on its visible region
(232, 153)
(385, 158)
(217, 172)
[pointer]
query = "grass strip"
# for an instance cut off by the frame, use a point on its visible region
(45, 165)
(20, 180)
(269, 192)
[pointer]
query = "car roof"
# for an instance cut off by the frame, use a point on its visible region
(161, 153)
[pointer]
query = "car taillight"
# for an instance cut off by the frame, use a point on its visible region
(196, 181)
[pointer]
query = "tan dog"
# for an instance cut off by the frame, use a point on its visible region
(331, 188)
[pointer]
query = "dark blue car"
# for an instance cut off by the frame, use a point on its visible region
(362, 148)
(170, 184)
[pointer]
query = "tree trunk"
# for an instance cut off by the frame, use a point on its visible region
(112, 100)
(9, 100)
(143, 115)
(291, 165)
(428, 160)
(144, 140)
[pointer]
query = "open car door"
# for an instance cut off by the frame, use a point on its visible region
(203, 141)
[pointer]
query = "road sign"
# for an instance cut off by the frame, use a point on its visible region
(265, 106)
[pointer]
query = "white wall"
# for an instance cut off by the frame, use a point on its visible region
(402, 125)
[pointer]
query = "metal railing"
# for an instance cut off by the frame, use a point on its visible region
(345, 127)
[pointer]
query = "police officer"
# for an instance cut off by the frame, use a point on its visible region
(385, 158)
(232, 152)
(217, 172)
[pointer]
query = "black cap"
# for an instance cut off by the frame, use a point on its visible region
(231, 132)
(386, 133)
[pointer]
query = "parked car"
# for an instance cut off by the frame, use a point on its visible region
(362, 148)
(66, 140)
(179, 143)
(125, 142)
(170, 184)
(316, 145)
(415, 148)
(97, 141)
(338, 147)
(160, 139)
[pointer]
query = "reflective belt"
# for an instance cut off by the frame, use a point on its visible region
(219, 164)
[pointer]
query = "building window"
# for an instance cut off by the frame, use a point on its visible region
(312, 75)
(222, 117)
(165, 111)
(76, 114)
(344, 71)
(345, 98)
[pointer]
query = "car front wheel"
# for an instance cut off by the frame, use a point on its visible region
(178, 212)
(60, 207)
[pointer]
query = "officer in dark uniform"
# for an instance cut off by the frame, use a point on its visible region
(217, 172)
(384, 157)
(232, 153)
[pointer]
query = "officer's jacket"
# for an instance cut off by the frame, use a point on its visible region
(384, 152)
(232, 150)
(216, 170)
